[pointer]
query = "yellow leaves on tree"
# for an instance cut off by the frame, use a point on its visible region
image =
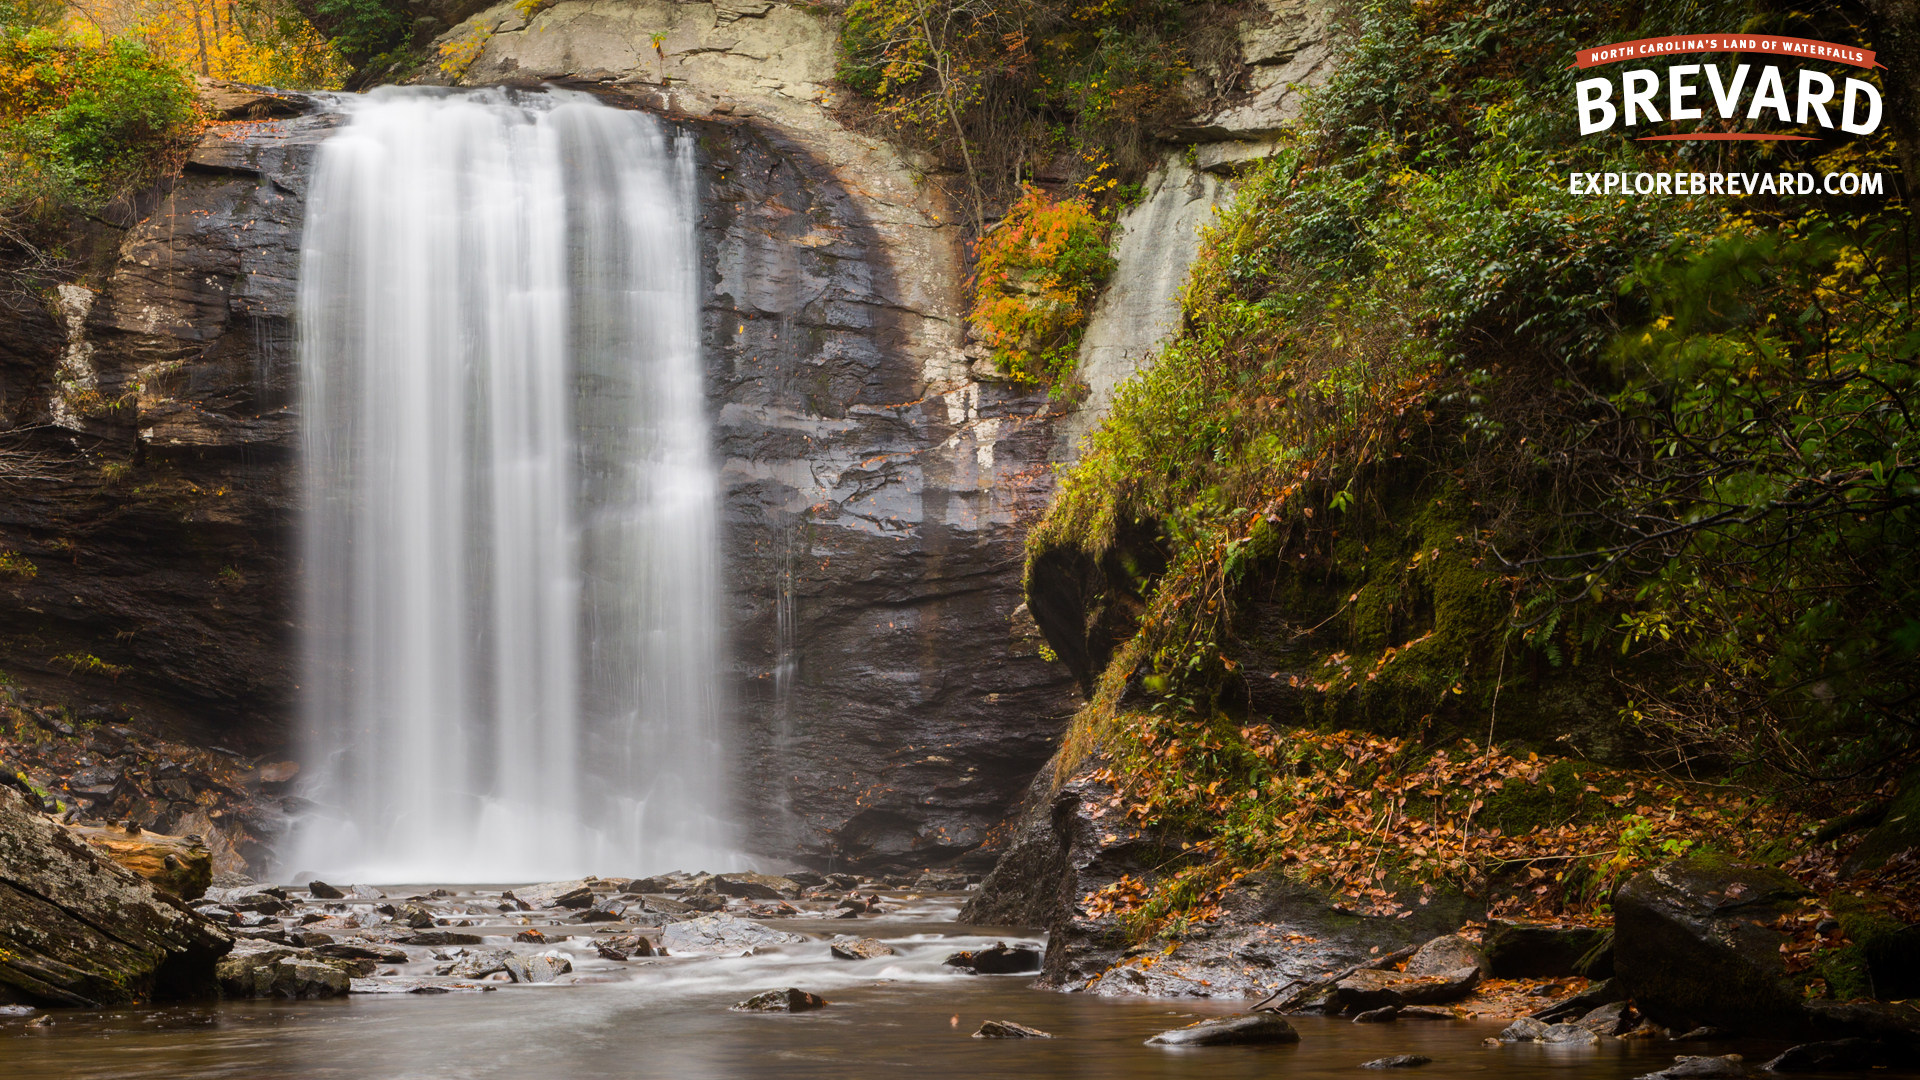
(266, 42)
(1037, 274)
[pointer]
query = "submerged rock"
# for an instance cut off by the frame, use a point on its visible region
(1701, 1068)
(1839, 1055)
(1263, 1027)
(438, 938)
(848, 947)
(1002, 959)
(787, 1000)
(1398, 1061)
(1007, 1029)
(417, 986)
(721, 934)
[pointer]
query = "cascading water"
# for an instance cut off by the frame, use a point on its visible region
(510, 541)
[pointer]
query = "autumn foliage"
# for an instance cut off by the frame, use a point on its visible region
(1036, 277)
(78, 121)
(250, 41)
(1384, 824)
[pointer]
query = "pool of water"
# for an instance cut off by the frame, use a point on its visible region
(904, 1016)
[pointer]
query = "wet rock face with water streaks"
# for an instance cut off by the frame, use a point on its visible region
(892, 699)
(888, 695)
(154, 406)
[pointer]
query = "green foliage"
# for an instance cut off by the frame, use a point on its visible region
(1008, 90)
(370, 34)
(27, 14)
(78, 662)
(1466, 428)
(86, 123)
(17, 566)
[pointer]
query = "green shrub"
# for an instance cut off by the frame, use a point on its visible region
(85, 123)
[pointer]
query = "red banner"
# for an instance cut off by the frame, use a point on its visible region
(1797, 48)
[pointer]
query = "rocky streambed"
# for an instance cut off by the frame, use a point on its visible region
(808, 975)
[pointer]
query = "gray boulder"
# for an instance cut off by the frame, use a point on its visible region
(1368, 989)
(566, 894)
(260, 969)
(789, 1000)
(848, 947)
(1007, 1029)
(1398, 1061)
(754, 886)
(1694, 945)
(1447, 954)
(721, 934)
(1569, 1035)
(540, 968)
(1525, 1029)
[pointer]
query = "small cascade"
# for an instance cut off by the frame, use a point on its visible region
(512, 590)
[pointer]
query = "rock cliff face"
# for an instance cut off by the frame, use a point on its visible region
(886, 679)
(147, 430)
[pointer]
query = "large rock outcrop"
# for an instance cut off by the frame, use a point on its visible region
(77, 929)
(1700, 941)
(1270, 933)
(890, 695)
(148, 414)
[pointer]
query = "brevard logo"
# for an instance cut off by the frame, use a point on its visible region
(1644, 97)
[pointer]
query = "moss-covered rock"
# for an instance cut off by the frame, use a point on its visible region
(78, 929)
(1897, 831)
(1695, 944)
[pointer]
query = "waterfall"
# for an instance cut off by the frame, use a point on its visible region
(510, 551)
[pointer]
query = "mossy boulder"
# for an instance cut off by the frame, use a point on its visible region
(1883, 957)
(1898, 831)
(77, 928)
(1695, 944)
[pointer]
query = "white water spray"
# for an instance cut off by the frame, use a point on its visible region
(512, 597)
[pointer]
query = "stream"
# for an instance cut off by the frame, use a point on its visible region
(905, 1015)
